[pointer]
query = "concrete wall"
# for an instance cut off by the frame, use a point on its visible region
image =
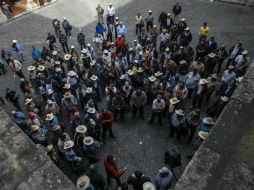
(226, 159)
(23, 165)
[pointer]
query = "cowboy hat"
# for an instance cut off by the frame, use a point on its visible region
(84, 50)
(105, 51)
(224, 98)
(68, 144)
(92, 62)
(140, 70)
(83, 182)
(164, 170)
(152, 78)
(231, 67)
(71, 73)
(88, 45)
(211, 55)
(208, 120)
(54, 53)
(148, 186)
(67, 86)
(49, 116)
(58, 69)
(187, 28)
(130, 72)
(136, 61)
(150, 11)
(179, 112)
(164, 30)
(169, 14)
(122, 77)
(174, 100)
(245, 52)
(203, 81)
(91, 110)
(67, 95)
(32, 114)
(72, 47)
(203, 135)
(55, 127)
(215, 76)
(67, 57)
(31, 68)
(93, 77)
(89, 90)
(183, 62)
(40, 68)
(81, 129)
(22, 79)
(28, 100)
(14, 41)
(183, 19)
(50, 91)
(34, 127)
(158, 73)
(49, 148)
(57, 62)
(167, 49)
(88, 141)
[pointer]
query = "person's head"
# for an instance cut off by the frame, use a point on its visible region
(138, 14)
(181, 84)
(110, 5)
(138, 174)
(104, 111)
(7, 90)
(138, 92)
(205, 24)
(110, 158)
(212, 38)
(159, 98)
(194, 71)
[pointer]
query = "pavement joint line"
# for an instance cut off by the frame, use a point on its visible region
(235, 3)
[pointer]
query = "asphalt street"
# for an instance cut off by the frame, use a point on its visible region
(138, 145)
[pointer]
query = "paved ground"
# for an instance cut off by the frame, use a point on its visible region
(229, 23)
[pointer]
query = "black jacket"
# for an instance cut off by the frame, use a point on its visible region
(137, 183)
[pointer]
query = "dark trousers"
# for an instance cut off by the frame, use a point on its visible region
(104, 132)
(135, 109)
(120, 112)
(20, 74)
(154, 114)
(118, 180)
(111, 19)
(65, 47)
(219, 66)
(174, 130)
(192, 130)
(17, 105)
(67, 32)
(197, 101)
(138, 28)
(149, 25)
(3, 69)
(41, 2)
(110, 36)
(190, 90)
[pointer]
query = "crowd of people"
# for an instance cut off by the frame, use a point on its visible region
(72, 99)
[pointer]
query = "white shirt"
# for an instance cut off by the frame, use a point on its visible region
(111, 11)
(158, 105)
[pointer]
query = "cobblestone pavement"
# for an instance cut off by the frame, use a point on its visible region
(138, 145)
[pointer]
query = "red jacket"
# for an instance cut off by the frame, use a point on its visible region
(111, 169)
(120, 42)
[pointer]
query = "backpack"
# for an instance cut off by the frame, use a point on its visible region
(173, 157)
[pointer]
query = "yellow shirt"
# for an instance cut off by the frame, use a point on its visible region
(204, 31)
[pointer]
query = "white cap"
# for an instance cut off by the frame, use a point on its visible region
(14, 41)
(72, 47)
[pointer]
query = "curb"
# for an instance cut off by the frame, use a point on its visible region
(236, 3)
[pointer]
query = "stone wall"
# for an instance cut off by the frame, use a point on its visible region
(226, 159)
(23, 165)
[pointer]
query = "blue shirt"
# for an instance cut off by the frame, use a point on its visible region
(121, 30)
(36, 53)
